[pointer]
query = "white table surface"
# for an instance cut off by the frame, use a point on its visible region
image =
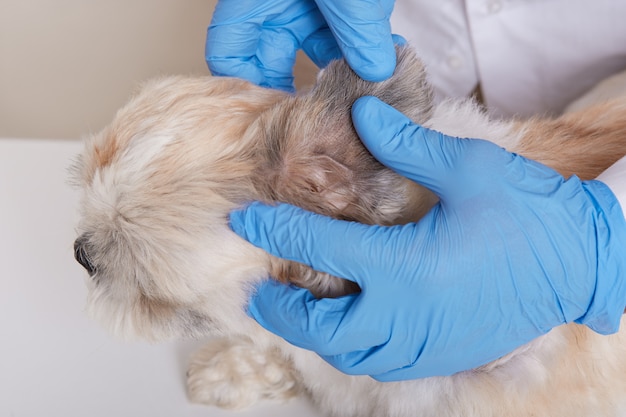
(54, 361)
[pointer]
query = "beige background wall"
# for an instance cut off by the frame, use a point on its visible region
(67, 65)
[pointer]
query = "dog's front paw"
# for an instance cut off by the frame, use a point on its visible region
(233, 373)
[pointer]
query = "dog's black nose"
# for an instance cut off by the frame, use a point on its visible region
(82, 255)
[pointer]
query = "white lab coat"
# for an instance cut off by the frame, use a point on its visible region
(529, 56)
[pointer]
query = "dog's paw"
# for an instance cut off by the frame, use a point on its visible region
(233, 373)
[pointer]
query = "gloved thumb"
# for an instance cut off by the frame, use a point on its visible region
(301, 319)
(423, 155)
(318, 241)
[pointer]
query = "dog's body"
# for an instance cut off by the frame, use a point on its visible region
(159, 184)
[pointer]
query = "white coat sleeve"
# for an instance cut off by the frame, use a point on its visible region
(615, 178)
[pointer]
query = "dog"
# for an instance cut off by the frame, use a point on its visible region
(159, 182)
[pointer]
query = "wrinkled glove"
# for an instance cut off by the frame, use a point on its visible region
(258, 40)
(511, 250)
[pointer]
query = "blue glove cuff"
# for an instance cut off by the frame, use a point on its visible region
(609, 298)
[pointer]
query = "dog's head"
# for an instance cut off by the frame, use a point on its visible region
(158, 184)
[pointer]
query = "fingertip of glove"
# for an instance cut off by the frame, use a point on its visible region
(374, 65)
(252, 309)
(278, 307)
(236, 221)
(399, 40)
(261, 292)
(369, 114)
(244, 220)
(235, 67)
(363, 106)
(322, 48)
(372, 117)
(260, 224)
(376, 71)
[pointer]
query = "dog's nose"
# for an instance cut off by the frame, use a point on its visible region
(82, 255)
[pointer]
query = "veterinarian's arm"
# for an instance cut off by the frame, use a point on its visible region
(258, 40)
(511, 250)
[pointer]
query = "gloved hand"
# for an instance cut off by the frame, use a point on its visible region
(511, 250)
(258, 40)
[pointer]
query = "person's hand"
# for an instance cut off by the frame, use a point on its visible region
(511, 250)
(258, 40)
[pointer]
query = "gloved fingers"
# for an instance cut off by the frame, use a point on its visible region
(363, 33)
(276, 55)
(398, 40)
(344, 249)
(423, 155)
(258, 41)
(232, 39)
(280, 40)
(231, 51)
(304, 321)
(321, 47)
(267, 62)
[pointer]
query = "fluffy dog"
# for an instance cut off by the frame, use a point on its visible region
(159, 182)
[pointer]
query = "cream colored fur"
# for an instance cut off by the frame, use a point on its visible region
(158, 185)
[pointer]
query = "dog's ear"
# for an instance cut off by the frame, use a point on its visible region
(311, 155)
(318, 183)
(327, 178)
(407, 90)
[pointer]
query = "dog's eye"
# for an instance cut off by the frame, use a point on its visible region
(82, 256)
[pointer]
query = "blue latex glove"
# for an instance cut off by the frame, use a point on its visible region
(511, 250)
(258, 40)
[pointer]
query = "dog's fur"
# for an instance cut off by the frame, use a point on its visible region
(158, 185)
